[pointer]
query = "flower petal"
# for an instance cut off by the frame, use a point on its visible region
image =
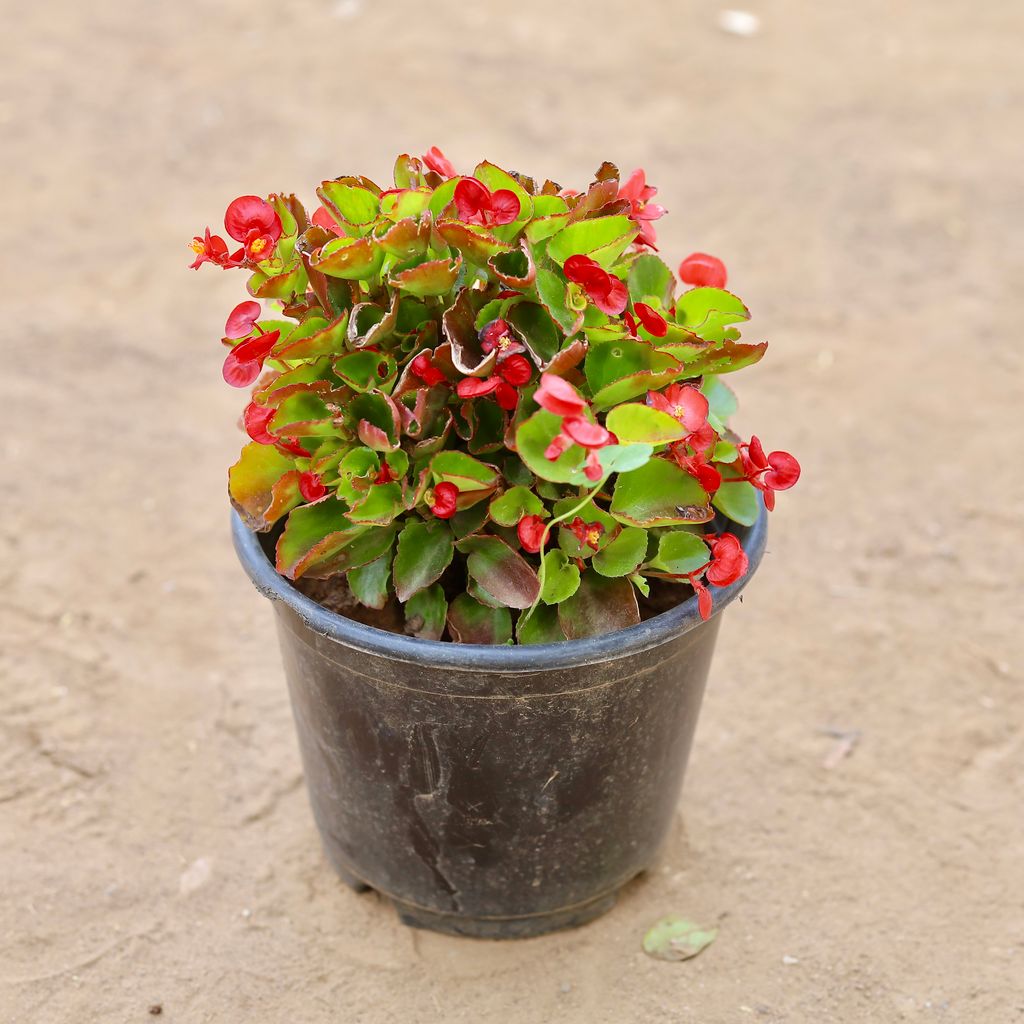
(256, 419)
(242, 319)
(585, 433)
(471, 199)
(248, 212)
(651, 319)
(558, 396)
(703, 271)
(530, 531)
(784, 472)
(505, 206)
(439, 163)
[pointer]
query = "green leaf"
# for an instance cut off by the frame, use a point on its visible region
(603, 239)
(721, 400)
(561, 577)
(508, 508)
(623, 555)
(312, 338)
(472, 623)
(534, 325)
(708, 312)
(425, 550)
(725, 451)
(350, 202)
(600, 605)
(540, 628)
(675, 938)
(532, 439)
(621, 458)
(589, 513)
(637, 364)
(502, 572)
(251, 481)
(640, 423)
(728, 357)
(477, 244)
(680, 552)
(380, 506)
(738, 501)
(435, 277)
(551, 289)
(281, 283)
(659, 494)
(363, 371)
(650, 278)
(426, 612)
(369, 583)
(313, 534)
(641, 584)
(351, 259)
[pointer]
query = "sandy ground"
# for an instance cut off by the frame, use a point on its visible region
(858, 167)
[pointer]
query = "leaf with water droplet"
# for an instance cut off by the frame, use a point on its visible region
(676, 938)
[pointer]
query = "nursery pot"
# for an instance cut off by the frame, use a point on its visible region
(492, 791)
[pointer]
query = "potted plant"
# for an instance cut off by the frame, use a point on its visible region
(492, 492)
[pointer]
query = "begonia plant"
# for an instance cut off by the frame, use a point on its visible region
(487, 399)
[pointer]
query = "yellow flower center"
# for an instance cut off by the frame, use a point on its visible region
(593, 537)
(197, 247)
(258, 245)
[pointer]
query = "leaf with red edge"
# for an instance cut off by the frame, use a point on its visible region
(540, 335)
(533, 437)
(425, 550)
(515, 268)
(251, 481)
(435, 277)
(603, 239)
(708, 312)
(728, 357)
(369, 583)
(406, 239)
(312, 338)
(502, 572)
(354, 201)
(477, 244)
(381, 505)
(278, 284)
(313, 534)
(654, 494)
(634, 422)
(352, 259)
(600, 605)
(470, 622)
(426, 613)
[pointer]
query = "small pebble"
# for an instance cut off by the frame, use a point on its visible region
(790, 960)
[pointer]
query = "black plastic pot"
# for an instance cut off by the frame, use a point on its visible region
(492, 791)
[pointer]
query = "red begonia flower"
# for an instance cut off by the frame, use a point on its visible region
(704, 602)
(728, 559)
(531, 532)
(256, 419)
(323, 218)
(245, 360)
(605, 290)
(683, 402)
(426, 371)
(702, 271)
(210, 249)
(477, 204)
(558, 396)
(703, 472)
(242, 319)
(384, 474)
(587, 533)
(509, 375)
(642, 210)
(496, 335)
(560, 444)
(439, 163)
(311, 487)
(651, 319)
(585, 433)
(290, 445)
(777, 471)
(250, 213)
(445, 495)
(259, 245)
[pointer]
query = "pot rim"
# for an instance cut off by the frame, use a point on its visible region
(483, 657)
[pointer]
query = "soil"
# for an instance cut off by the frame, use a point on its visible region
(852, 817)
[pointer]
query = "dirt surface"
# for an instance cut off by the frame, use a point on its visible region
(858, 168)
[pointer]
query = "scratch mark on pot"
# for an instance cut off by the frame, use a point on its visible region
(554, 775)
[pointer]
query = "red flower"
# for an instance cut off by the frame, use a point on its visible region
(588, 534)
(728, 559)
(703, 271)
(256, 420)
(210, 249)
(477, 204)
(426, 370)
(439, 163)
(558, 396)
(255, 223)
(704, 602)
(311, 487)
(605, 290)
(509, 375)
(777, 471)
(592, 436)
(643, 211)
(242, 319)
(655, 323)
(531, 533)
(323, 218)
(683, 402)
(496, 335)
(705, 474)
(385, 474)
(245, 360)
(445, 495)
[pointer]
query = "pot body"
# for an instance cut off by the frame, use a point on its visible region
(494, 792)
